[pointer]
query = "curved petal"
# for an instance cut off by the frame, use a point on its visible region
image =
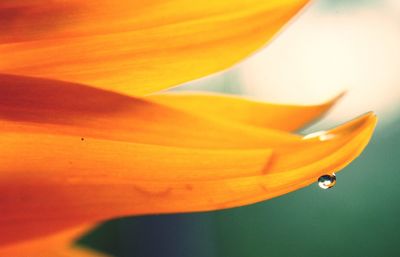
(242, 110)
(135, 47)
(56, 245)
(49, 106)
(100, 179)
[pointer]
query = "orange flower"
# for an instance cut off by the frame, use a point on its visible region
(73, 155)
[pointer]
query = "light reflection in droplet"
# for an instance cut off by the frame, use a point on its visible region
(327, 181)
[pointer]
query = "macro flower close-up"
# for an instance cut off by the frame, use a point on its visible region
(94, 125)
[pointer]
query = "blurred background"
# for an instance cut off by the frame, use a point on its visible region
(333, 46)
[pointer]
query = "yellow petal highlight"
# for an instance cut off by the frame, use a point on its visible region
(56, 245)
(135, 47)
(242, 110)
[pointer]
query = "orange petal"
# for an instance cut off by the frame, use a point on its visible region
(54, 165)
(49, 106)
(72, 155)
(135, 47)
(51, 182)
(242, 110)
(56, 245)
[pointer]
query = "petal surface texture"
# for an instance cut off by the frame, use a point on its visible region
(72, 155)
(242, 110)
(135, 47)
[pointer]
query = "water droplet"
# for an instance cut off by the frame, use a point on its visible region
(327, 181)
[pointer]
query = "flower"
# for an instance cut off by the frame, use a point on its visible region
(74, 155)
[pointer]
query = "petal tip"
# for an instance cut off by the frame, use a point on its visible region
(337, 98)
(370, 118)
